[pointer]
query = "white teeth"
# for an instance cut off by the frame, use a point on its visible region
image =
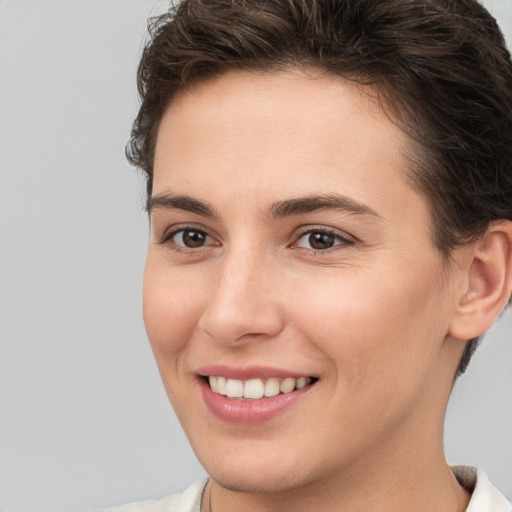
(287, 385)
(254, 389)
(221, 384)
(272, 387)
(214, 384)
(302, 382)
(234, 388)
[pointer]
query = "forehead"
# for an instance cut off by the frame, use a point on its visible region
(304, 99)
(281, 133)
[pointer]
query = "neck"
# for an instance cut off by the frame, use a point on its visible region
(420, 490)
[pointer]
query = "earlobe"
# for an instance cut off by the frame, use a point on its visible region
(488, 282)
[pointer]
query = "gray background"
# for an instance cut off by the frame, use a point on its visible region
(84, 421)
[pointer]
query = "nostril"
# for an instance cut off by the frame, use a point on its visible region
(239, 311)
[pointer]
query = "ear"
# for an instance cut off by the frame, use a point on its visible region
(487, 283)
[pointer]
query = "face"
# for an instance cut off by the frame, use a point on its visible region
(291, 267)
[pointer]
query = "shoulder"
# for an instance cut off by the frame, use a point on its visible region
(485, 497)
(187, 501)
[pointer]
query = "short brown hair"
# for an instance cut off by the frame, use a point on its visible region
(441, 67)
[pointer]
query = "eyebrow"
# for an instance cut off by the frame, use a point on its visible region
(279, 209)
(180, 202)
(308, 204)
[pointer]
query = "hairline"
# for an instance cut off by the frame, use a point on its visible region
(386, 97)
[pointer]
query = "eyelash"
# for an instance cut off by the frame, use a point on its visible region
(168, 238)
(340, 239)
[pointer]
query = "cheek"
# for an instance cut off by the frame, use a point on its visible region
(171, 309)
(373, 327)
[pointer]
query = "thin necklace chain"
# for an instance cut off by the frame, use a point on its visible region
(209, 496)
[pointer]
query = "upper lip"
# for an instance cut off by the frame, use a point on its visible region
(248, 372)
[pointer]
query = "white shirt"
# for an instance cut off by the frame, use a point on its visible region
(485, 497)
(187, 501)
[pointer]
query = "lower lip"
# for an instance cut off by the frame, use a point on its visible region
(250, 411)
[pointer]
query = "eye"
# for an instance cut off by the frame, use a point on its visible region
(190, 238)
(321, 240)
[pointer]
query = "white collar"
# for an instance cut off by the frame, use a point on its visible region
(485, 497)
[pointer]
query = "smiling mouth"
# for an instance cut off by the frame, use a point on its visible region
(256, 389)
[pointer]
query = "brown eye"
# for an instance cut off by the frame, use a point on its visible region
(319, 240)
(191, 238)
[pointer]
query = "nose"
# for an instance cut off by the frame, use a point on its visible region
(243, 305)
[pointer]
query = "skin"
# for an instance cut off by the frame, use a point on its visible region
(370, 317)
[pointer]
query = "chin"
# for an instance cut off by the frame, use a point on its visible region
(270, 482)
(263, 473)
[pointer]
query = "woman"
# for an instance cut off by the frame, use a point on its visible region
(329, 188)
